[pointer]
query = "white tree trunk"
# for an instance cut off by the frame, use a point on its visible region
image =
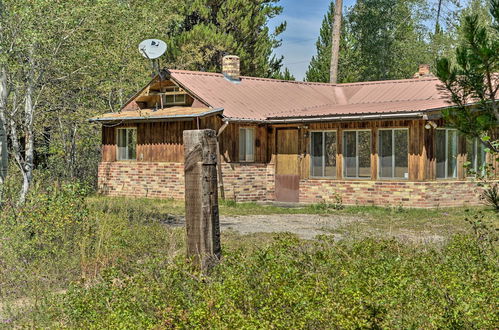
(4, 155)
(29, 151)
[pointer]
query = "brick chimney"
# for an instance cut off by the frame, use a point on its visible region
(230, 67)
(423, 71)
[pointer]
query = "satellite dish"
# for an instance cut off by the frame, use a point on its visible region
(152, 48)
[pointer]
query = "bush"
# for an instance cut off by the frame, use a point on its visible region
(490, 196)
(292, 284)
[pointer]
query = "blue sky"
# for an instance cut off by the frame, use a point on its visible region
(304, 18)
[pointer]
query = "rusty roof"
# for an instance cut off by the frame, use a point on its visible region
(261, 99)
(160, 114)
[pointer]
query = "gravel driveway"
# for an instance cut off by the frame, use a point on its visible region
(306, 226)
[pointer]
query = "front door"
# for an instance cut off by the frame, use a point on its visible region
(287, 178)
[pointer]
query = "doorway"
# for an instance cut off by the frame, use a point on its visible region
(287, 177)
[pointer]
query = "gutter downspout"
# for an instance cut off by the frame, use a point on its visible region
(219, 161)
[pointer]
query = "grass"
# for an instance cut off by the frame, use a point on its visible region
(405, 223)
(70, 261)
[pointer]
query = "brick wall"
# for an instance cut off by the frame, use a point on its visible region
(142, 179)
(255, 182)
(243, 182)
(386, 193)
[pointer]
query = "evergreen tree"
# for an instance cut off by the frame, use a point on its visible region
(381, 39)
(388, 38)
(284, 75)
(318, 69)
(212, 28)
(474, 76)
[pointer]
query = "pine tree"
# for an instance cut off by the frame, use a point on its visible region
(284, 75)
(388, 38)
(213, 28)
(381, 39)
(318, 69)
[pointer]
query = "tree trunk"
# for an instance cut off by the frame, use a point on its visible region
(29, 157)
(335, 43)
(4, 155)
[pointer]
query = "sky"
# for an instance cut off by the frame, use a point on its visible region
(304, 18)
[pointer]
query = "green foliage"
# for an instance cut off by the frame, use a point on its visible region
(113, 263)
(473, 77)
(328, 207)
(284, 75)
(381, 39)
(491, 196)
(367, 284)
(210, 29)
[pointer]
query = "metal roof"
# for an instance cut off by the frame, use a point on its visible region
(261, 99)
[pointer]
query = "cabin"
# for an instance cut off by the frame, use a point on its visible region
(368, 143)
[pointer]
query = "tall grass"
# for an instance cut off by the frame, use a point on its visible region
(70, 261)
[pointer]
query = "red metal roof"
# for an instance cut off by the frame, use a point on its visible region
(260, 98)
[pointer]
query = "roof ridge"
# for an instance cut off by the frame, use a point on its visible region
(358, 83)
(381, 82)
(204, 73)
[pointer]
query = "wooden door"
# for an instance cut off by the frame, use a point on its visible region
(287, 178)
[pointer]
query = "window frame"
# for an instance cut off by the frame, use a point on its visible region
(252, 160)
(393, 177)
(343, 153)
(323, 154)
(447, 177)
(118, 129)
(180, 93)
(474, 161)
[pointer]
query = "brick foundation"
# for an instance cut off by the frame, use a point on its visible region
(255, 182)
(243, 182)
(142, 179)
(386, 193)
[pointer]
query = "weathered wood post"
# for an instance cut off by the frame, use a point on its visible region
(201, 198)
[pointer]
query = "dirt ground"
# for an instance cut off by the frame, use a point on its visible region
(306, 226)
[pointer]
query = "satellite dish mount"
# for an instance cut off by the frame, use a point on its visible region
(152, 49)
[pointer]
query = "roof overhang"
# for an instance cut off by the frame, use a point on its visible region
(429, 114)
(159, 115)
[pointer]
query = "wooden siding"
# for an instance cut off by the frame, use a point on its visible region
(162, 142)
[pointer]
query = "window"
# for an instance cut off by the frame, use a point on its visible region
(172, 98)
(357, 154)
(127, 143)
(246, 145)
(323, 154)
(393, 153)
(476, 156)
(446, 153)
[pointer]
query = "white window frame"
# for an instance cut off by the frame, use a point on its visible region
(474, 162)
(323, 153)
(249, 158)
(175, 88)
(118, 145)
(393, 154)
(357, 153)
(447, 154)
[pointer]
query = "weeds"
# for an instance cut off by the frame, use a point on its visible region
(77, 262)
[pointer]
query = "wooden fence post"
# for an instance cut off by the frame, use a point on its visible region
(201, 198)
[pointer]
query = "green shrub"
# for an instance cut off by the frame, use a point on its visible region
(292, 284)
